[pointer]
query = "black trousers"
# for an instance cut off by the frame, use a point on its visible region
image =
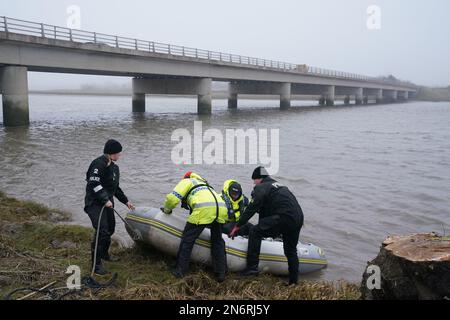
(190, 234)
(106, 230)
(274, 226)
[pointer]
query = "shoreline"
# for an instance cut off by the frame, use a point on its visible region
(39, 239)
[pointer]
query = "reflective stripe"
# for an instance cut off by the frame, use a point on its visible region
(198, 189)
(98, 188)
(194, 182)
(209, 204)
(176, 194)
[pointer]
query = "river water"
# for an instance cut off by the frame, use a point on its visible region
(360, 173)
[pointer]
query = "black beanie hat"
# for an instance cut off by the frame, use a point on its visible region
(260, 172)
(235, 188)
(112, 147)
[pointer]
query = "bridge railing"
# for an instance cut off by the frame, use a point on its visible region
(338, 74)
(11, 25)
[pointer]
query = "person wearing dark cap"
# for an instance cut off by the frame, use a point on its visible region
(236, 202)
(102, 186)
(279, 214)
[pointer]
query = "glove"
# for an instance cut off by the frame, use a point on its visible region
(166, 211)
(234, 232)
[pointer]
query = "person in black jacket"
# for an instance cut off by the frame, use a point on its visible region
(102, 186)
(279, 214)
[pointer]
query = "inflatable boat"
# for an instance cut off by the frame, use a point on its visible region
(163, 232)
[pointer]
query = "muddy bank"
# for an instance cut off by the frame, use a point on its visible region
(36, 247)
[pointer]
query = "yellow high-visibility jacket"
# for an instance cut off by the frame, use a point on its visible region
(201, 199)
(234, 207)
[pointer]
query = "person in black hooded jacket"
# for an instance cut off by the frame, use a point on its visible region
(102, 186)
(279, 214)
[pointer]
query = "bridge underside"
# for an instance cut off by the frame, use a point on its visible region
(14, 90)
(165, 74)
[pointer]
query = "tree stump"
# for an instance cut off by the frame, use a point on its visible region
(411, 267)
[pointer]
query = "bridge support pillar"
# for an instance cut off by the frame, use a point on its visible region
(232, 101)
(285, 96)
(379, 96)
(366, 99)
(232, 95)
(390, 95)
(204, 100)
(138, 102)
(347, 100)
(322, 101)
(395, 95)
(328, 96)
(359, 96)
(14, 89)
(402, 95)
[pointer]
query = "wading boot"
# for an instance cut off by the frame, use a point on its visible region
(220, 277)
(176, 272)
(249, 272)
(100, 270)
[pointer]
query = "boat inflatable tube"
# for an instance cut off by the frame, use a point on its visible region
(163, 232)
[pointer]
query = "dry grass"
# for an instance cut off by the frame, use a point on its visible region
(200, 286)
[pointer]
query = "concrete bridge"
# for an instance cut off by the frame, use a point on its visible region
(158, 68)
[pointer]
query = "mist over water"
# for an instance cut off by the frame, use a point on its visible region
(359, 173)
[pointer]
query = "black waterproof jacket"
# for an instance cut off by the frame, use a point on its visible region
(270, 198)
(103, 183)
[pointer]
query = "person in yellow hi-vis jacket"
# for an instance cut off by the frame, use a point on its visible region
(207, 209)
(236, 203)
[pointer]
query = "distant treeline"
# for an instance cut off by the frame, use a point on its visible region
(434, 94)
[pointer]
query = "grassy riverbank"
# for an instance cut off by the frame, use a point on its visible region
(36, 247)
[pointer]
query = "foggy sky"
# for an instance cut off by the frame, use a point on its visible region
(412, 43)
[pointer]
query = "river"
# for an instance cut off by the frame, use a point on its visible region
(360, 172)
